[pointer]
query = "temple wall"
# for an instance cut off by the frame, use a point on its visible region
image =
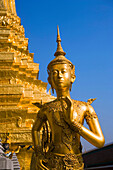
(19, 85)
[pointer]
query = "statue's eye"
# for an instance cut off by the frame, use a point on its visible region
(63, 71)
(55, 71)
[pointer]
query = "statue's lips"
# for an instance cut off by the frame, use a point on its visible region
(60, 81)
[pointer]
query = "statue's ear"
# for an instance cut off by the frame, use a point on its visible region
(73, 77)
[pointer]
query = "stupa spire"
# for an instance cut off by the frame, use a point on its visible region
(16, 164)
(8, 5)
(1, 149)
(59, 50)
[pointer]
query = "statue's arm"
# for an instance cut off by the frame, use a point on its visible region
(94, 134)
(41, 118)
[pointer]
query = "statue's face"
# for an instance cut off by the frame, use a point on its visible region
(61, 76)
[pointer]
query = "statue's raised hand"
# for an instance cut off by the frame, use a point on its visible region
(67, 107)
(68, 114)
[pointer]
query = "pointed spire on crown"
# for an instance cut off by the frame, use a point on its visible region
(59, 50)
(59, 55)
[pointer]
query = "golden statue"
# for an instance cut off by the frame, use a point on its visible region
(59, 124)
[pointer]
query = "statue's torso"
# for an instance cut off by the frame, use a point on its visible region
(64, 138)
(61, 139)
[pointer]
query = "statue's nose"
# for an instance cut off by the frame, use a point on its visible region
(60, 74)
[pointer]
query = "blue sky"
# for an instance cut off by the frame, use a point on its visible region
(86, 28)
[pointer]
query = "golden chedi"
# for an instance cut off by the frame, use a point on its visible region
(19, 85)
(59, 124)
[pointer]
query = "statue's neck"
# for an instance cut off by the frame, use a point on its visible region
(63, 94)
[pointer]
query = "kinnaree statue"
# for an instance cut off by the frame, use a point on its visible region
(59, 124)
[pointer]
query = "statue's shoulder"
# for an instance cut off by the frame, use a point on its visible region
(54, 105)
(79, 103)
(85, 106)
(89, 110)
(89, 102)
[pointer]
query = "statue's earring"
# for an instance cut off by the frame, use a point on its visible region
(52, 89)
(70, 86)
